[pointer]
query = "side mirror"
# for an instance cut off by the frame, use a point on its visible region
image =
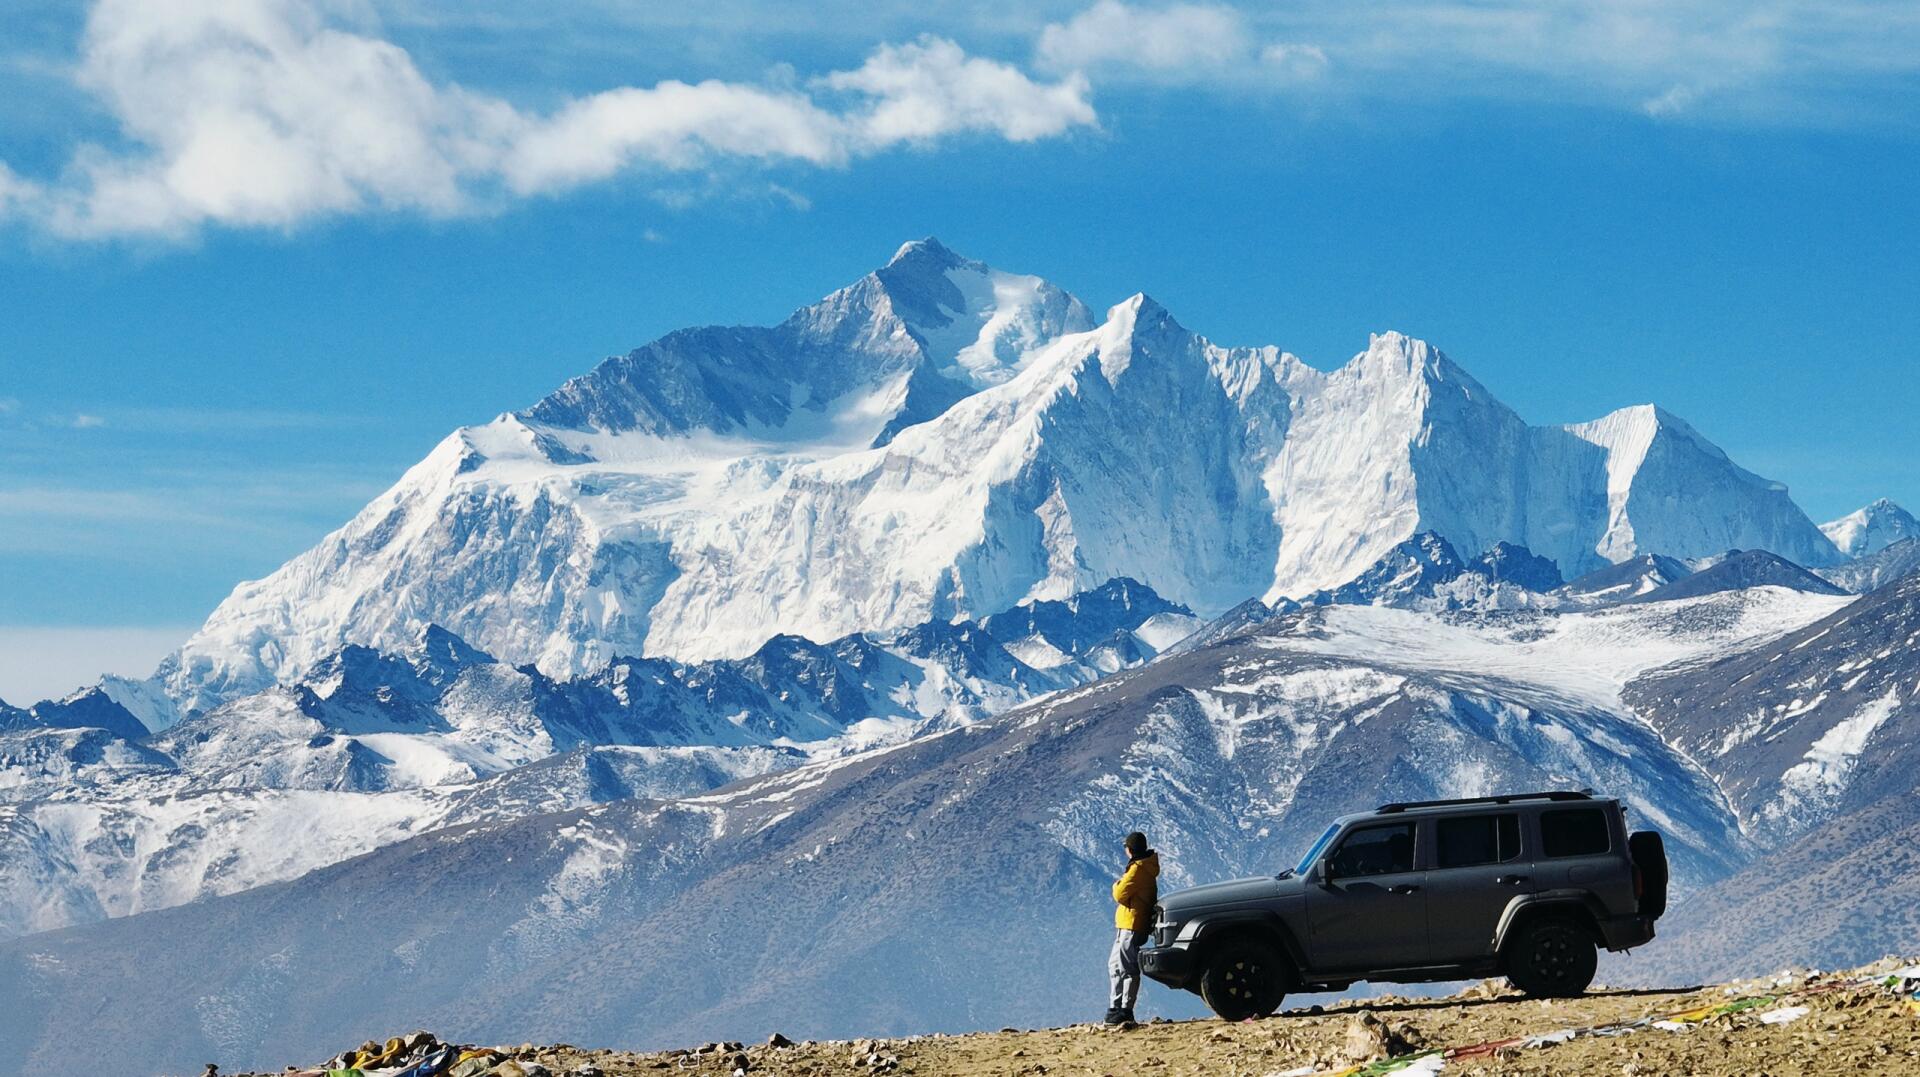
(1324, 872)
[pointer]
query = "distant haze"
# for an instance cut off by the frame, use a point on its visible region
(47, 663)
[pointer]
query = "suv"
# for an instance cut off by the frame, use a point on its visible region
(1526, 885)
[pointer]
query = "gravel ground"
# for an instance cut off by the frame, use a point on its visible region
(1847, 1028)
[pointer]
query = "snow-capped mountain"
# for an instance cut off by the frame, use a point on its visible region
(956, 880)
(941, 440)
(1630, 579)
(89, 708)
(1871, 528)
(1425, 572)
(98, 819)
(1740, 570)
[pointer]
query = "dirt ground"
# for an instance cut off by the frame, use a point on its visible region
(1850, 1028)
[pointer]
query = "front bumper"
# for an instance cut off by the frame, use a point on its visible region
(1171, 965)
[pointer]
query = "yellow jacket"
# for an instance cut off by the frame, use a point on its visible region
(1135, 892)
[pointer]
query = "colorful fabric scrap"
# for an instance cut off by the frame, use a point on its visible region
(1783, 1015)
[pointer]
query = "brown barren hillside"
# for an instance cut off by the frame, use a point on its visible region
(1863, 1021)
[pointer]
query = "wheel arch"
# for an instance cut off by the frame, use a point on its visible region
(1261, 923)
(1579, 906)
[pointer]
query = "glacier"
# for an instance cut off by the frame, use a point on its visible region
(942, 439)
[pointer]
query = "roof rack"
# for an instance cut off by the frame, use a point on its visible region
(1552, 794)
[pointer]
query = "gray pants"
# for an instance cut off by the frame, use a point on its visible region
(1123, 968)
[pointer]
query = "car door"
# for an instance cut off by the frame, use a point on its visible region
(1478, 867)
(1579, 849)
(1370, 911)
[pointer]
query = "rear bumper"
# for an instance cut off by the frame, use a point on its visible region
(1171, 965)
(1626, 932)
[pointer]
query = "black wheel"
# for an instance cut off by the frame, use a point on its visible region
(1551, 959)
(1245, 977)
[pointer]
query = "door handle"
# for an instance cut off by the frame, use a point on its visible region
(1403, 888)
(1511, 880)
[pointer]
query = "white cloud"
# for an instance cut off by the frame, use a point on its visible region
(1191, 44)
(49, 663)
(1294, 62)
(1186, 41)
(931, 88)
(272, 112)
(88, 422)
(14, 192)
(673, 125)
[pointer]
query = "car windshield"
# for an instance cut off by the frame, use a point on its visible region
(1319, 846)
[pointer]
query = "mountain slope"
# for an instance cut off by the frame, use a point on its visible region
(1875, 570)
(1839, 891)
(955, 881)
(1822, 721)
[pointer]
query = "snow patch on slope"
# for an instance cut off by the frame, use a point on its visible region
(1585, 658)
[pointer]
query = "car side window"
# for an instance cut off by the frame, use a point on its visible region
(1478, 839)
(1376, 850)
(1574, 832)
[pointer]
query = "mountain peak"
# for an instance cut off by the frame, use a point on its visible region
(976, 325)
(1871, 528)
(1398, 354)
(925, 250)
(1138, 308)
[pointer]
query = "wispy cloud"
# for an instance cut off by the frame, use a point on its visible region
(1770, 61)
(1176, 43)
(268, 113)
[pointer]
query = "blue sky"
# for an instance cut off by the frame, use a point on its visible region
(257, 256)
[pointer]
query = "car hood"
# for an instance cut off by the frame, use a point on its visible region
(1257, 888)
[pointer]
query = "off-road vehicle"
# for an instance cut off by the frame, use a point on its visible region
(1526, 886)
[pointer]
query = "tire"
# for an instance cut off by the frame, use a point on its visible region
(1649, 852)
(1244, 977)
(1551, 958)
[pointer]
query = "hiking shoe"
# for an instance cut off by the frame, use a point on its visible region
(1126, 1017)
(1115, 1016)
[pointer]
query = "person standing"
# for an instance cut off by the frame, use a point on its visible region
(1135, 893)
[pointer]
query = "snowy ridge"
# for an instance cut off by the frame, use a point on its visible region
(1871, 528)
(101, 819)
(941, 440)
(1875, 570)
